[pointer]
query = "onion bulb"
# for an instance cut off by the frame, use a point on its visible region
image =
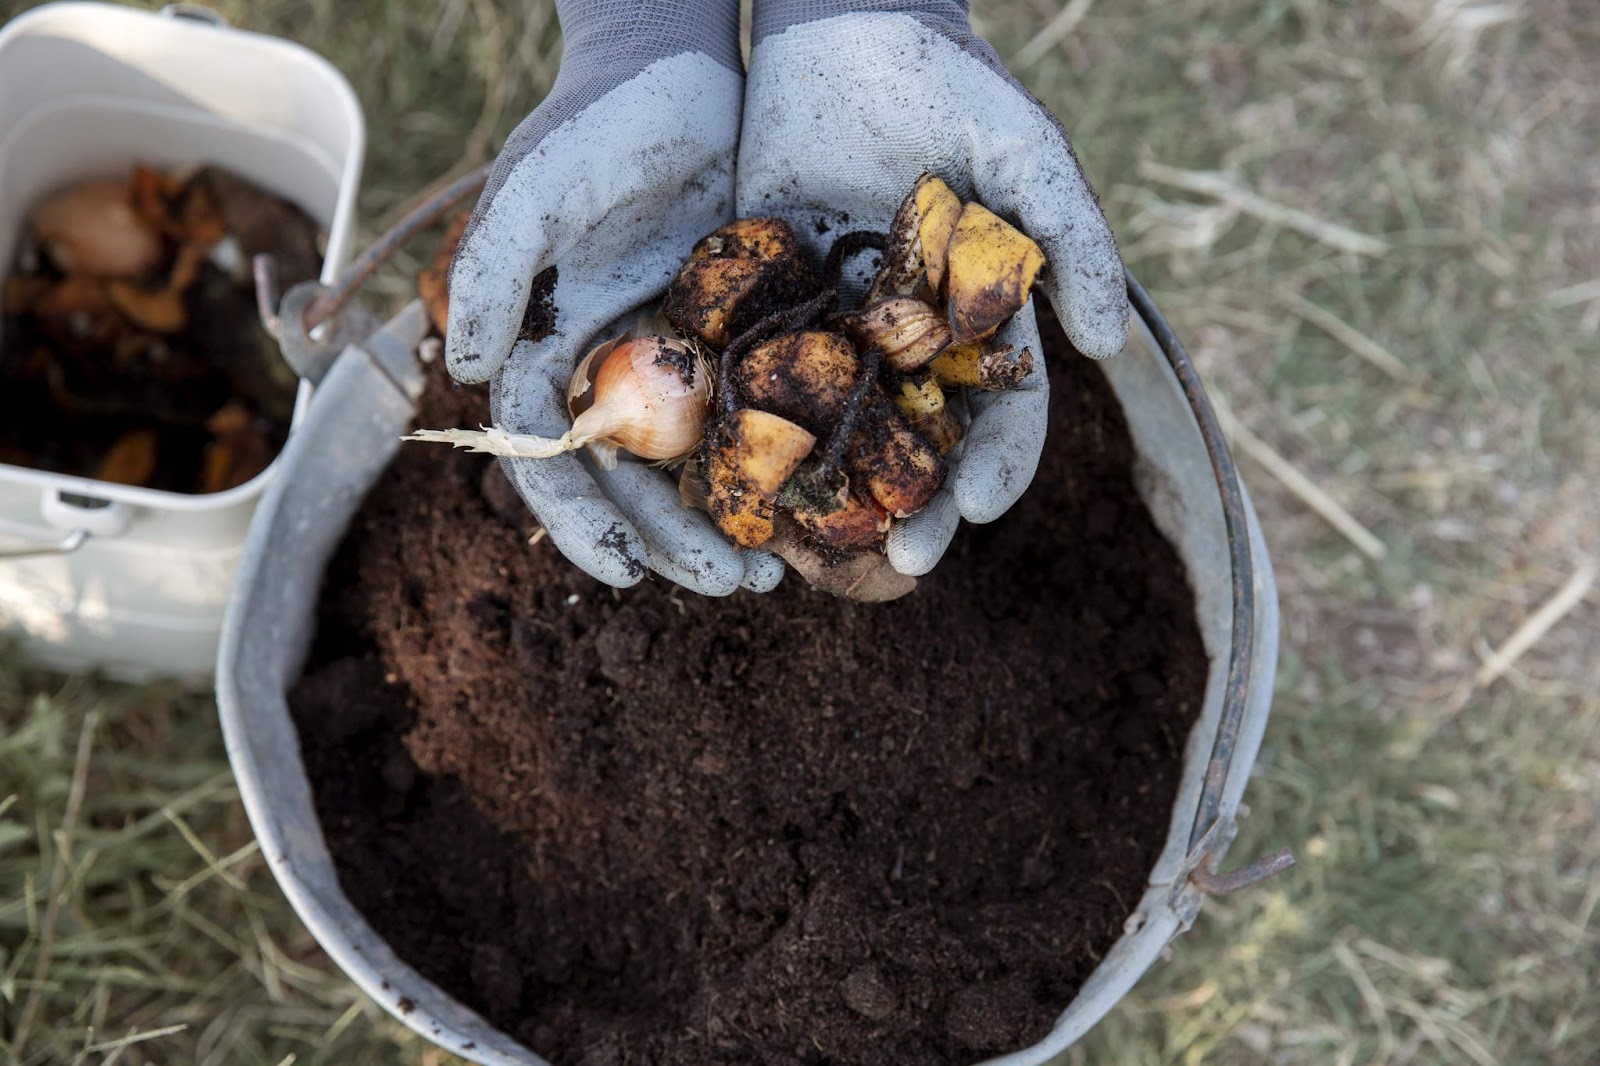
(646, 395)
(92, 228)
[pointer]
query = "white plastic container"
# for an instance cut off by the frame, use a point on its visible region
(134, 581)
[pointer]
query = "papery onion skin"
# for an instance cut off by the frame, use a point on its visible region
(651, 397)
(92, 228)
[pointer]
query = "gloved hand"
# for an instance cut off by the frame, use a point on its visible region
(610, 181)
(846, 103)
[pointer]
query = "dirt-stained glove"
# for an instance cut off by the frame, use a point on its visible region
(846, 103)
(609, 182)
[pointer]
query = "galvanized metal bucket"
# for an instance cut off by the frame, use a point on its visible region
(366, 401)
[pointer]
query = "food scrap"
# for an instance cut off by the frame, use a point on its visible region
(131, 349)
(814, 429)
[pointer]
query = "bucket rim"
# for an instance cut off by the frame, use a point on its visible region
(1241, 652)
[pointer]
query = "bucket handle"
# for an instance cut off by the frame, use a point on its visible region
(1207, 836)
(78, 517)
(72, 511)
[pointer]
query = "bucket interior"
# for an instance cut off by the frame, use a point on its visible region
(93, 136)
(89, 89)
(86, 91)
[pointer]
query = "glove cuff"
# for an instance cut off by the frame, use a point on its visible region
(949, 17)
(628, 36)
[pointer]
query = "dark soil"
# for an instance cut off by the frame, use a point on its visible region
(643, 827)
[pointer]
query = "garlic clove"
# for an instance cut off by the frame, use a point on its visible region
(92, 228)
(909, 332)
(651, 396)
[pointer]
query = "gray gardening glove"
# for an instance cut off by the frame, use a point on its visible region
(846, 103)
(623, 166)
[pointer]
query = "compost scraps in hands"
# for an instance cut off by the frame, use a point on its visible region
(842, 109)
(824, 428)
(845, 104)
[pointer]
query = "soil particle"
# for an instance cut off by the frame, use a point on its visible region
(648, 828)
(623, 644)
(866, 993)
(502, 498)
(991, 1016)
(539, 314)
(498, 975)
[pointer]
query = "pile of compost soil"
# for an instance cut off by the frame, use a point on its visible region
(644, 827)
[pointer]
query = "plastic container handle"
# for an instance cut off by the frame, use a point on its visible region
(71, 512)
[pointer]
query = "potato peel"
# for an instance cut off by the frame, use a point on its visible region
(749, 455)
(735, 276)
(991, 268)
(899, 468)
(865, 576)
(748, 238)
(913, 263)
(859, 523)
(805, 377)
